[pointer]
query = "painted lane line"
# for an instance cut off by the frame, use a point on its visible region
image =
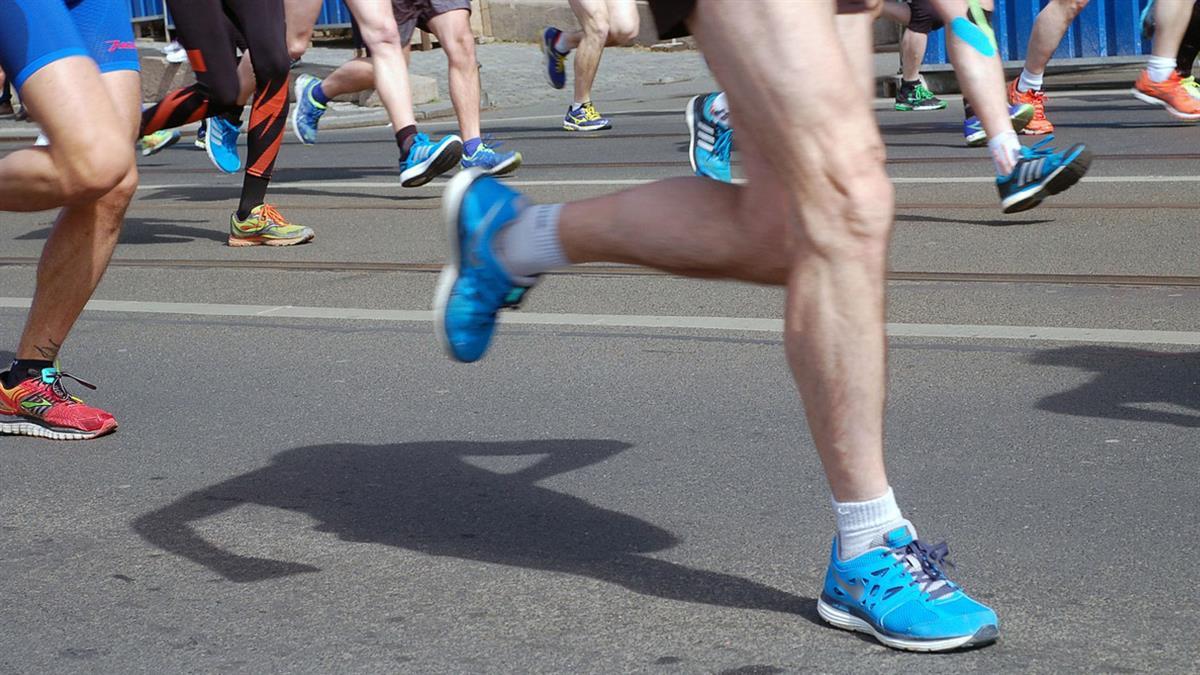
(918, 330)
(602, 182)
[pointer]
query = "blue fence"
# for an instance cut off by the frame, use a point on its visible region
(1103, 28)
(333, 12)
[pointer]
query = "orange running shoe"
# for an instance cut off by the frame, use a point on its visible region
(1037, 98)
(1170, 94)
(41, 407)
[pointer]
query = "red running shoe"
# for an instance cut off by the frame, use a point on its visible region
(41, 407)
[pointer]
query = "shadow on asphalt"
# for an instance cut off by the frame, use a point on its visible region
(427, 497)
(155, 231)
(1130, 384)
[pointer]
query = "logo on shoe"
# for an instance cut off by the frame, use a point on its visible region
(36, 405)
(849, 586)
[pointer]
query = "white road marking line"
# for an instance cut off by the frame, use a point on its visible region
(974, 332)
(373, 185)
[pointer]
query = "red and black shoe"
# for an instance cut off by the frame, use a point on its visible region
(41, 407)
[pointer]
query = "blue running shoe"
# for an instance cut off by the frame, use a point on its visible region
(711, 141)
(428, 160)
(975, 136)
(493, 163)
(474, 286)
(221, 144)
(554, 63)
(1042, 171)
(900, 594)
(306, 113)
(585, 118)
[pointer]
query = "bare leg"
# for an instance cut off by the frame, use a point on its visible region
(351, 77)
(378, 26)
(1170, 23)
(301, 17)
(815, 214)
(593, 17)
(855, 33)
(1048, 31)
(82, 163)
(453, 30)
(84, 236)
(912, 54)
(980, 75)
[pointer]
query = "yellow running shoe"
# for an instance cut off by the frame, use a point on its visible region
(266, 226)
(1189, 83)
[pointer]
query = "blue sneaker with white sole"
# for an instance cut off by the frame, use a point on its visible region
(973, 134)
(711, 141)
(428, 159)
(554, 63)
(585, 118)
(900, 594)
(1040, 172)
(492, 162)
(473, 287)
(306, 113)
(221, 144)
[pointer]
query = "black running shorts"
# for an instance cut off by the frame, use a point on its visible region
(924, 18)
(670, 17)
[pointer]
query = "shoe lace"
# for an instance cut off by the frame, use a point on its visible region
(589, 111)
(922, 93)
(1040, 149)
(55, 386)
(925, 564)
(272, 214)
(1039, 103)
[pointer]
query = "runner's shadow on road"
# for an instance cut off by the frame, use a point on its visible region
(154, 231)
(434, 498)
(1130, 384)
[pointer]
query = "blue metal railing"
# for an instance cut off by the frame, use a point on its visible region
(333, 12)
(1103, 28)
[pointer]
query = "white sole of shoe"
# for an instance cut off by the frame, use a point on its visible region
(846, 621)
(1146, 98)
(689, 118)
(39, 431)
(452, 199)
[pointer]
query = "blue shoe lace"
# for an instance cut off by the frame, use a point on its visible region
(421, 149)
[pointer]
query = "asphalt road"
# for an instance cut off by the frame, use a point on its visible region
(302, 482)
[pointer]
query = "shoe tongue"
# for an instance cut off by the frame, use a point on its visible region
(50, 375)
(901, 536)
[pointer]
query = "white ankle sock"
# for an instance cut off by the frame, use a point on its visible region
(719, 109)
(1160, 68)
(862, 525)
(1006, 150)
(530, 246)
(1029, 81)
(560, 44)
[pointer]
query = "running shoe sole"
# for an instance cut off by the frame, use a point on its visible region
(847, 621)
(171, 140)
(297, 93)
(689, 116)
(435, 165)
(1062, 178)
(506, 167)
(452, 200)
(1154, 100)
(905, 107)
(546, 62)
(240, 242)
(571, 126)
(26, 427)
(208, 150)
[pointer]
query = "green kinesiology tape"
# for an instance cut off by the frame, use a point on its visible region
(977, 31)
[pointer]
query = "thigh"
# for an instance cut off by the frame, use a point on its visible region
(264, 28)
(107, 32)
(34, 34)
(208, 38)
(589, 9)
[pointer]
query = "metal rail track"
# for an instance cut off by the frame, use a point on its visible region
(629, 271)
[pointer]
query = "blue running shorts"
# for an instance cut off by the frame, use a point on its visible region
(34, 33)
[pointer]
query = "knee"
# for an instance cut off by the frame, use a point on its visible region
(93, 175)
(623, 31)
(596, 24)
(853, 220)
(460, 51)
(223, 92)
(271, 66)
(382, 36)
